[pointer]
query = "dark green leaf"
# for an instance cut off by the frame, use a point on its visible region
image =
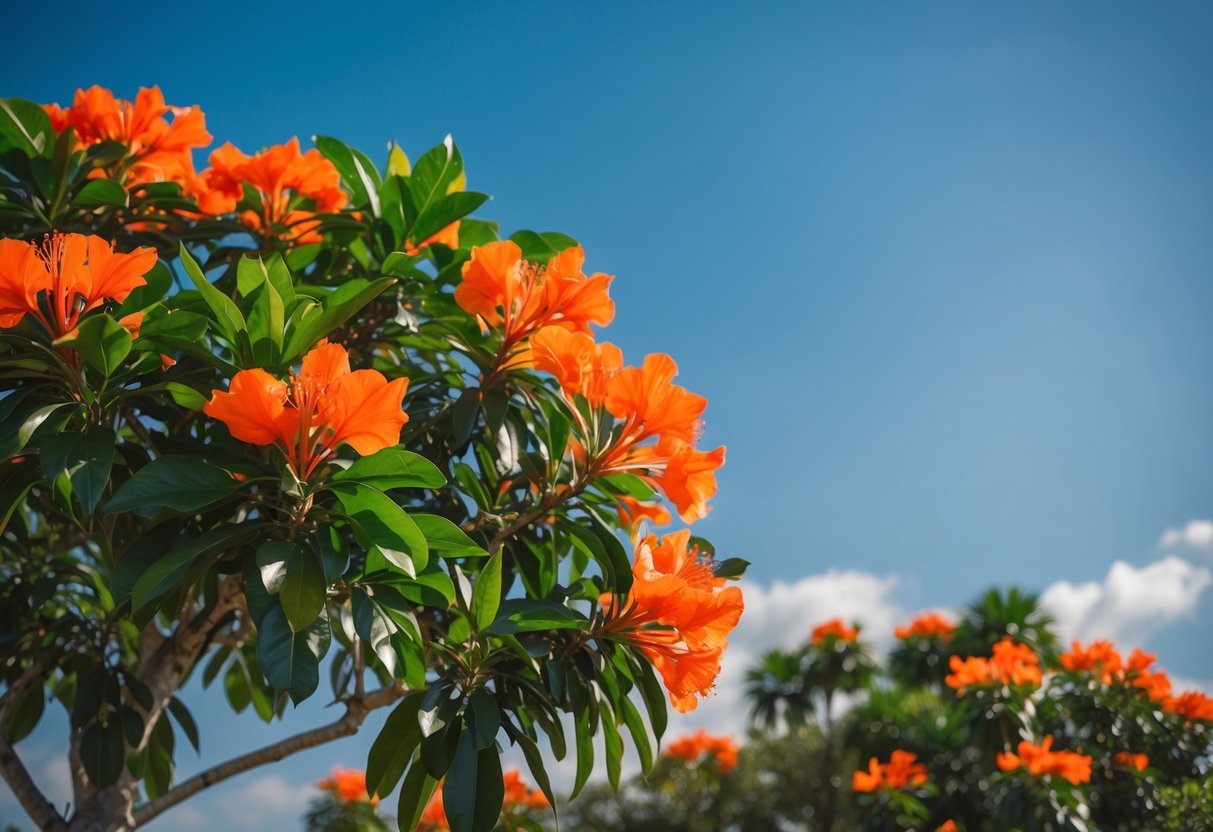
(447, 538)
(393, 468)
(473, 791)
(101, 192)
(103, 752)
(384, 524)
(486, 596)
(180, 483)
(525, 615)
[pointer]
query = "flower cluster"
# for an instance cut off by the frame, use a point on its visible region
(833, 631)
(702, 746)
(1041, 760)
(157, 149)
(65, 276)
(1102, 661)
(929, 625)
(678, 613)
(1137, 762)
(323, 406)
(1011, 663)
(291, 187)
(347, 784)
(902, 771)
(545, 313)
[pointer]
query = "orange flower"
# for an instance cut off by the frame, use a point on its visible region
(292, 188)
(927, 626)
(448, 236)
(1155, 684)
(651, 406)
(1192, 705)
(519, 795)
(1040, 760)
(1140, 762)
(832, 630)
(1100, 660)
(632, 512)
(503, 290)
(692, 747)
(1010, 664)
(582, 367)
(947, 826)
(901, 772)
(349, 784)
(157, 150)
(678, 613)
(64, 277)
(323, 406)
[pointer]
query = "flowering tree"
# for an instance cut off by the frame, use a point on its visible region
(979, 724)
(296, 411)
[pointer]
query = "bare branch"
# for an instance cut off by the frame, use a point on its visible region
(356, 711)
(39, 809)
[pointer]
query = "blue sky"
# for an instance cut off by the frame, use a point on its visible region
(942, 269)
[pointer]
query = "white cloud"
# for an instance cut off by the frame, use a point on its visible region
(247, 806)
(780, 617)
(1195, 534)
(1130, 603)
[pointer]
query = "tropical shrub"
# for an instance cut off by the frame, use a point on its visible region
(300, 414)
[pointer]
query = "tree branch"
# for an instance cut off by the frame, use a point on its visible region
(39, 809)
(356, 711)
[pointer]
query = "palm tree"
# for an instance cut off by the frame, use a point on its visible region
(1014, 613)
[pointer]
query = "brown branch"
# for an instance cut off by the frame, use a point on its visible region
(14, 772)
(35, 804)
(356, 711)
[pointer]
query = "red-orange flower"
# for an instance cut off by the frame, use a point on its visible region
(503, 290)
(349, 784)
(520, 796)
(678, 613)
(581, 366)
(833, 630)
(158, 150)
(292, 187)
(1011, 664)
(928, 625)
(632, 512)
(1156, 684)
(66, 275)
(1192, 705)
(1139, 762)
(324, 405)
(1100, 660)
(947, 826)
(699, 745)
(1040, 760)
(900, 772)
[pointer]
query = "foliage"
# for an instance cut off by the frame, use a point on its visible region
(1010, 739)
(302, 412)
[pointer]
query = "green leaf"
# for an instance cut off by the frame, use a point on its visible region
(394, 747)
(101, 192)
(534, 761)
(540, 247)
(303, 589)
(102, 342)
(384, 524)
(171, 570)
(103, 752)
(336, 308)
(186, 720)
(397, 161)
(393, 468)
(526, 615)
(445, 211)
(357, 171)
(272, 559)
(486, 597)
(25, 126)
(474, 790)
(290, 660)
(446, 538)
(583, 733)
(87, 457)
(180, 483)
(414, 795)
(225, 312)
(730, 567)
(185, 395)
